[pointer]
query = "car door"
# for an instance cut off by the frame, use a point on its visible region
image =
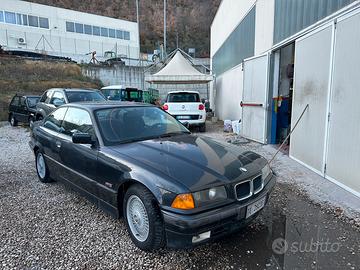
(23, 113)
(79, 160)
(47, 137)
(14, 104)
(43, 107)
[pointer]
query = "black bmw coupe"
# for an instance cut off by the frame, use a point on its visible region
(134, 160)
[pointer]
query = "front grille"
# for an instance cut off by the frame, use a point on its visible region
(243, 190)
(187, 117)
(248, 188)
(258, 184)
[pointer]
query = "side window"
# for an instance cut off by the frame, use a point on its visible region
(77, 120)
(22, 102)
(48, 96)
(54, 120)
(15, 101)
(43, 97)
(58, 99)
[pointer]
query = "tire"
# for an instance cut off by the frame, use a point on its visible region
(13, 121)
(31, 121)
(39, 118)
(202, 128)
(42, 170)
(140, 198)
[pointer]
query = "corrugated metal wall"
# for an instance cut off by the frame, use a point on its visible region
(238, 46)
(291, 16)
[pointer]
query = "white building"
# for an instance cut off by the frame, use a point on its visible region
(275, 57)
(56, 31)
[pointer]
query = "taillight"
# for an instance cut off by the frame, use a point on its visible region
(201, 107)
(165, 107)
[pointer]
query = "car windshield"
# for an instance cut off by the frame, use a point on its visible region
(79, 96)
(183, 97)
(32, 101)
(129, 124)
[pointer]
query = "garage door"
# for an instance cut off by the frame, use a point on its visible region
(254, 101)
(343, 155)
(312, 62)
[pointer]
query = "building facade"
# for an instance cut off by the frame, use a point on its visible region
(278, 61)
(33, 27)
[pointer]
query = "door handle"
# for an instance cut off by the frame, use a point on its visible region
(58, 144)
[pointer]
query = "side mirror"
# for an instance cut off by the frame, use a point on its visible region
(82, 138)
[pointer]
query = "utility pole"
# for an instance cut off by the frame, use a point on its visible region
(138, 23)
(164, 28)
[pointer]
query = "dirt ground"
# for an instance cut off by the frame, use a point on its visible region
(48, 226)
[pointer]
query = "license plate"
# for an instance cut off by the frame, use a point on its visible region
(183, 117)
(255, 207)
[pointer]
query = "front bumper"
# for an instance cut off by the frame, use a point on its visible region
(180, 229)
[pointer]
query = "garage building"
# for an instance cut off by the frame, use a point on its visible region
(272, 58)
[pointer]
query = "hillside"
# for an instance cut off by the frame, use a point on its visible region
(190, 19)
(34, 77)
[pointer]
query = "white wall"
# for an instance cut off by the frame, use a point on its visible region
(60, 42)
(229, 86)
(228, 16)
(229, 91)
(264, 25)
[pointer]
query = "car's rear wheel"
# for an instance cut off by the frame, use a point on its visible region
(143, 218)
(42, 169)
(13, 121)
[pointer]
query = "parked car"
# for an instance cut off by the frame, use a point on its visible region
(22, 108)
(186, 107)
(56, 97)
(136, 161)
(122, 93)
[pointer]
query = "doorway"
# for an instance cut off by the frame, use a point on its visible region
(282, 93)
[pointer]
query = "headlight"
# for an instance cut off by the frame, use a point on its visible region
(266, 171)
(209, 196)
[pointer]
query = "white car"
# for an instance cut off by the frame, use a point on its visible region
(186, 107)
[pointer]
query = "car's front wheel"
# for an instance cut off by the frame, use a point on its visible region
(42, 169)
(143, 218)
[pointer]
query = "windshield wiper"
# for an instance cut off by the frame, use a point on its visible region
(170, 134)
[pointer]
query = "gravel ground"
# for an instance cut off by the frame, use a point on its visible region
(47, 226)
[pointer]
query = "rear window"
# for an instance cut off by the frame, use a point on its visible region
(80, 96)
(183, 97)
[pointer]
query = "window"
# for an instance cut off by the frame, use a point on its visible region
(1, 16)
(54, 120)
(10, 17)
(19, 19)
(104, 32)
(44, 22)
(70, 27)
(15, 101)
(77, 120)
(57, 99)
(112, 33)
(183, 97)
(25, 19)
(78, 96)
(126, 35)
(79, 28)
(46, 96)
(96, 30)
(22, 102)
(32, 101)
(88, 29)
(33, 21)
(119, 34)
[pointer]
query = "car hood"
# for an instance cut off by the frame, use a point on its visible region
(195, 162)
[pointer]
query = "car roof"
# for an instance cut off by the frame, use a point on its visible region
(95, 105)
(117, 86)
(73, 89)
(183, 91)
(27, 96)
